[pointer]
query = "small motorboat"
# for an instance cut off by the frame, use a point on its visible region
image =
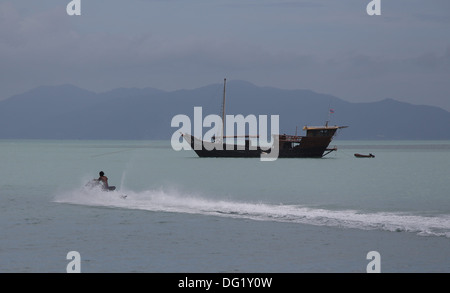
(364, 156)
(97, 184)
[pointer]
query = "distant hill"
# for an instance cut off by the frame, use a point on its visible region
(69, 112)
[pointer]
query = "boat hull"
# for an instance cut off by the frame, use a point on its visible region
(309, 147)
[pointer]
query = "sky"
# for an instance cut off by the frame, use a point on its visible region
(328, 46)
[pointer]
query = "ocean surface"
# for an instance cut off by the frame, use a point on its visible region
(184, 214)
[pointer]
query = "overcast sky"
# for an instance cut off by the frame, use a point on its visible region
(328, 46)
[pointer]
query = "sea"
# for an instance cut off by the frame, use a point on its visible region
(173, 212)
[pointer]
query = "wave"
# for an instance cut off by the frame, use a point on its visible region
(179, 202)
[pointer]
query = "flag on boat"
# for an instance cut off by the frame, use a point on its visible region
(331, 111)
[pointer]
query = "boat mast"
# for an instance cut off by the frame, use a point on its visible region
(223, 108)
(329, 113)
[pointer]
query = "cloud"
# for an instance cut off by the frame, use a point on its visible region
(434, 18)
(49, 47)
(360, 66)
(45, 48)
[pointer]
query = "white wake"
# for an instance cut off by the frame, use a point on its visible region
(178, 202)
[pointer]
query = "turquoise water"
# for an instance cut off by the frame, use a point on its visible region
(189, 214)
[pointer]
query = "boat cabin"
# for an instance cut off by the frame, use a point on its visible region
(320, 131)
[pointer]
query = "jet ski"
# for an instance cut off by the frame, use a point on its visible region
(96, 184)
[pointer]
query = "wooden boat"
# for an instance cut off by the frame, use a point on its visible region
(315, 144)
(364, 156)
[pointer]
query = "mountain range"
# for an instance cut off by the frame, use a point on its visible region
(70, 112)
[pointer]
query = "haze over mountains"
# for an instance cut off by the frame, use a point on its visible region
(69, 112)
